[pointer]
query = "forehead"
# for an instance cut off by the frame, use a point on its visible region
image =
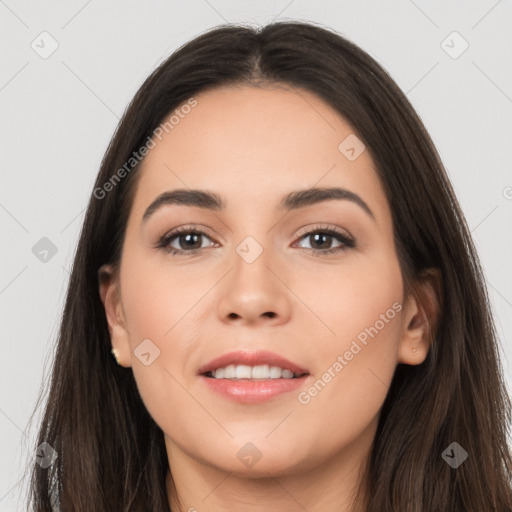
(255, 145)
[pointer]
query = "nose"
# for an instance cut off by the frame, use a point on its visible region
(254, 293)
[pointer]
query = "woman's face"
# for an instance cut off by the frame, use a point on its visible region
(256, 284)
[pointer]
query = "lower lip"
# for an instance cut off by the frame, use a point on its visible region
(253, 391)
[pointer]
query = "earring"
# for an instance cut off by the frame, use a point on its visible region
(116, 355)
(415, 350)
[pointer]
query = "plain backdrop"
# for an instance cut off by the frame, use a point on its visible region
(69, 69)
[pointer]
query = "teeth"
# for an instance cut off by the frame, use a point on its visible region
(275, 372)
(229, 372)
(260, 372)
(242, 371)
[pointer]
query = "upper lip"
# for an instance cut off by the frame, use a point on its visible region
(260, 357)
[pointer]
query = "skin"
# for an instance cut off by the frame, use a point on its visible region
(252, 146)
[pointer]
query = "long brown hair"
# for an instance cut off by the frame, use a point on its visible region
(111, 454)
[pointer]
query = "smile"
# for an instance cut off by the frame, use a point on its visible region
(260, 372)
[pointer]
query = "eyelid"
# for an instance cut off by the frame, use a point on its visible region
(302, 231)
(186, 228)
(307, 230)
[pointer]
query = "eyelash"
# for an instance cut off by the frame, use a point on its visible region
(347, 241)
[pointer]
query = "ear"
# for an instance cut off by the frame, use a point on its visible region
(109, 289)
(421, 316)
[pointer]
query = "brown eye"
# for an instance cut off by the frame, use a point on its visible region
(183, 241)
(189, 241)
(321, 240)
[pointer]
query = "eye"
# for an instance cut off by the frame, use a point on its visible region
(187, 240)
(322, 238)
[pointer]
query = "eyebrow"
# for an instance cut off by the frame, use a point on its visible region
(292, 201)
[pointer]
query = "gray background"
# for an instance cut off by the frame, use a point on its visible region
(59, 112)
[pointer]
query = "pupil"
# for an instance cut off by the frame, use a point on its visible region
(187, 238)
(323, 235)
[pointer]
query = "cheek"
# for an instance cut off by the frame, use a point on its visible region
(160, 305)
(159, 300)
(355, 341)
(344, 302)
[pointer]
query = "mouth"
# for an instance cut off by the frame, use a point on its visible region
(261, 365)
(252, 377)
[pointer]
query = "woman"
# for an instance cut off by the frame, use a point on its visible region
(255, 367)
